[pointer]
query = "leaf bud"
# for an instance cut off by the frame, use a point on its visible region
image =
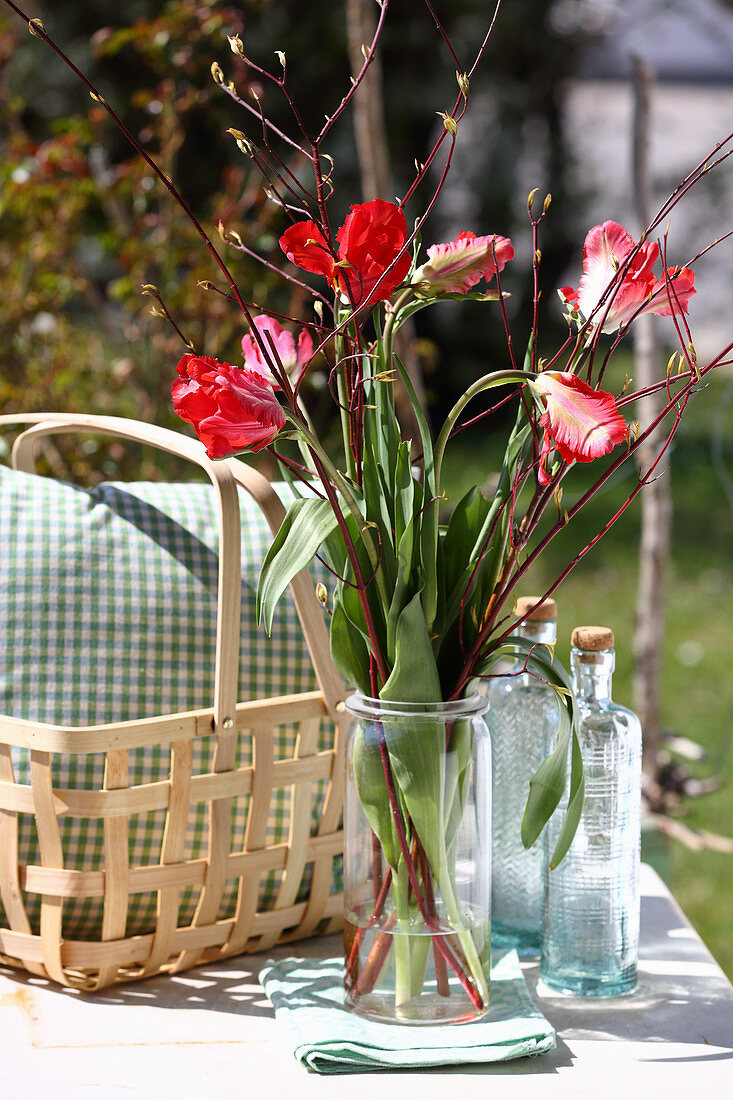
(449, 123)
(322, 593)
(537, 257)
(235, 44)
(281, 58)
(530, 199)
(463, 83)
(36, 28)
(546, 203)
(217, 72)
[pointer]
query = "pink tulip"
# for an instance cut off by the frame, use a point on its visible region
(293, 358)
(606, 249)
(456, 266)
(580, 423)
(231, 409)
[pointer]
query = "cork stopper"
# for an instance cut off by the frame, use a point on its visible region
(592, 640)
(545, 613)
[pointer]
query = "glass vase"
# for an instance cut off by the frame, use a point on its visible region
(417, 860)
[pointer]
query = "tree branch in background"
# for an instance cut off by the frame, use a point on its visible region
(656, 502)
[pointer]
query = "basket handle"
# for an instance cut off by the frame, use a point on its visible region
(228, 626)
(309, 609)
(225, 476)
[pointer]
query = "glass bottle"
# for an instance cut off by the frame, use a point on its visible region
(523, 721)
(417, 860)
(591, 936)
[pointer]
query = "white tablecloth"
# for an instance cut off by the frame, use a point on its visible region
(211, 1032)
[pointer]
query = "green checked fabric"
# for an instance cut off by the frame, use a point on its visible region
(108, 604)
(308, 998)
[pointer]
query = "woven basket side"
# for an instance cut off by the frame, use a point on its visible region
(303, 864)
(248, 888)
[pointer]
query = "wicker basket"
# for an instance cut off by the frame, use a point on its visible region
(172, 945)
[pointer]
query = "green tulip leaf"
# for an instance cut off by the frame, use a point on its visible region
(308, 522)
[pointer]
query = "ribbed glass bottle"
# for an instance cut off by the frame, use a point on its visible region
(523, 720)
(591, 938)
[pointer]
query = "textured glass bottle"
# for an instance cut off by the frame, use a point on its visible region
(523, 720)
(417, 860)
(591, 936)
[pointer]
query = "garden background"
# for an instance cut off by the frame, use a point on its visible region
(83, 225)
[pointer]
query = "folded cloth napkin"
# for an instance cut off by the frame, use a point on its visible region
(308, 997)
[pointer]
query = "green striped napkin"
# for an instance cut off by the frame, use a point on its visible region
(308, 998)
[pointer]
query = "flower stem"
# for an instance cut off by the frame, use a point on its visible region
(474, 994)
(351, 965)
(487, 382)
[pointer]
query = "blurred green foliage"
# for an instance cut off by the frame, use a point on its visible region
(84, 224)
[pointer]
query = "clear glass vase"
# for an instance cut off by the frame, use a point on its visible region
(417, 860)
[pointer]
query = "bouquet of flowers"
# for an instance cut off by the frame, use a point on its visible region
(420, 607)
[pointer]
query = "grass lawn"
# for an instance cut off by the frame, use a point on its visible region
(697, 679)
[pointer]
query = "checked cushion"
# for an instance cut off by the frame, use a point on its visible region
(108, 601)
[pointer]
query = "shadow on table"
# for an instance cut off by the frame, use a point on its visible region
(681, 998)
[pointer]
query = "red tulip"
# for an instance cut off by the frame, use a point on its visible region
(369, 240)
(456, 266)
(606, 249)
(306, 247)
(293, 358)
(231, 409)
(580, 423)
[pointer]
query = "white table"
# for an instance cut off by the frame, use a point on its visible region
(211, 1032)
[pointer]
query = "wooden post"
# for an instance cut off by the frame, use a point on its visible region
(370, 132)
(656, 500)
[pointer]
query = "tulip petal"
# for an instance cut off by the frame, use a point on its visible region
(306, 247)
(231, 409)
(456, 266)
(292, 358)
(606, 254)
(581, 422)
(369, 241)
